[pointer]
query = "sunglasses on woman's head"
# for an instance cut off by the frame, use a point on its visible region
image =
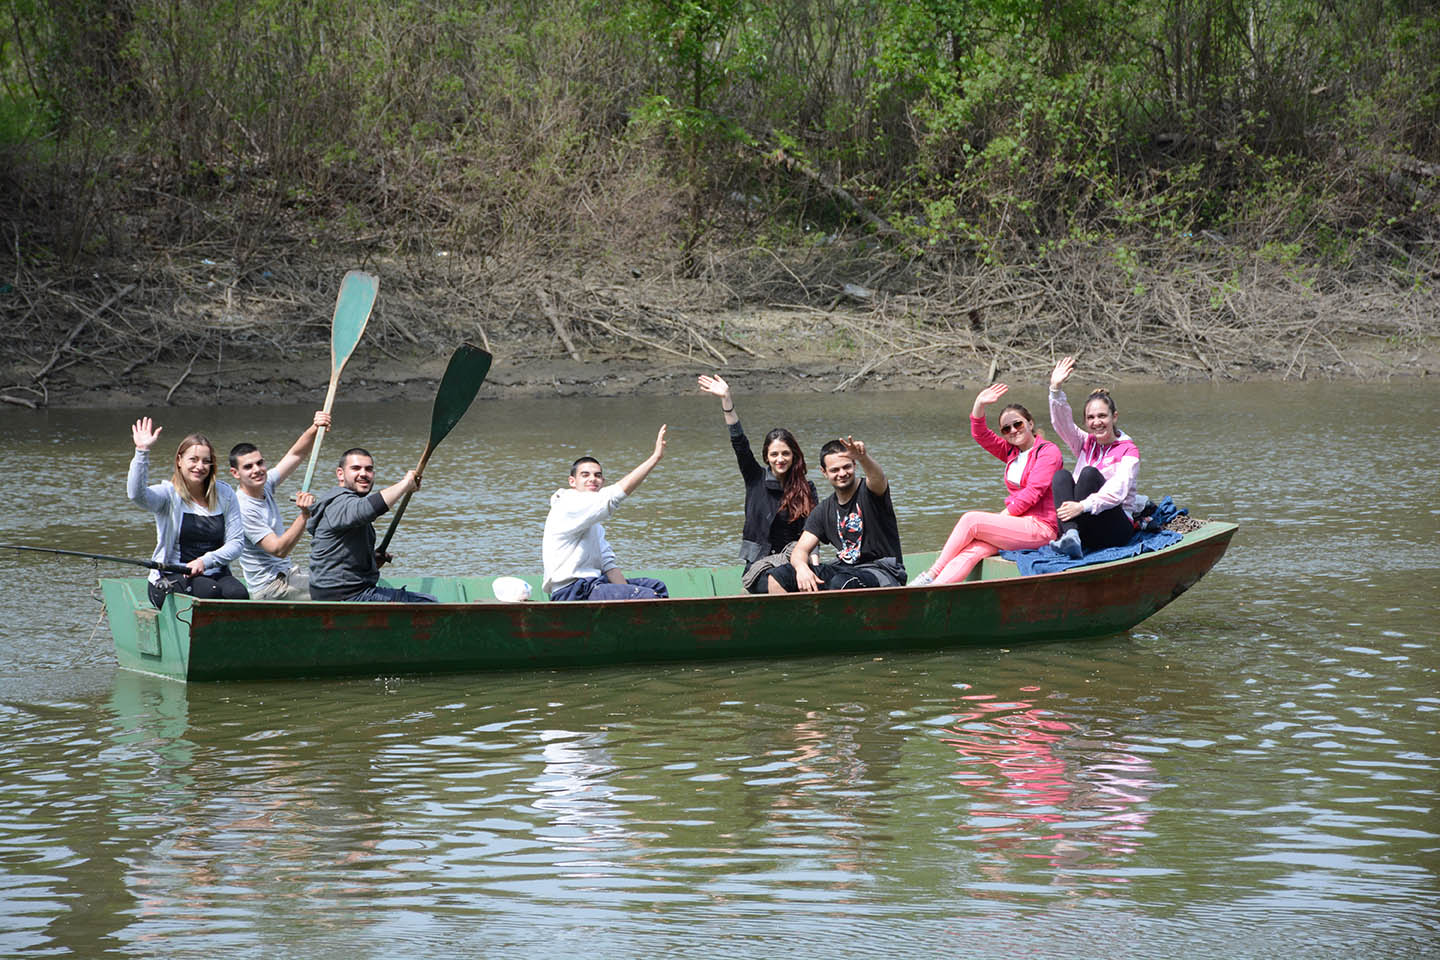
(1011, 427)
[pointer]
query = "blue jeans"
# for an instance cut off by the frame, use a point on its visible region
(393, 595)
(598, 588)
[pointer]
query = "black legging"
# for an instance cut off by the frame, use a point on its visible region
(832, 576)
(223, 587)
(1108, 528)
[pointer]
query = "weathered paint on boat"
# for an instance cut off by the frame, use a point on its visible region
(703, 619)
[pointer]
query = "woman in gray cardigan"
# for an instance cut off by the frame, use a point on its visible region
(197, 519)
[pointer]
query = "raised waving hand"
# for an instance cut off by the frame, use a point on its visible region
(145, 433)
(721, 389)
(1062, 372)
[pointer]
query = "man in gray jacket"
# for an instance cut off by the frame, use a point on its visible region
(343, 561)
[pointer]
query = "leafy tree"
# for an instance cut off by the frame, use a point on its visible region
(701, 49)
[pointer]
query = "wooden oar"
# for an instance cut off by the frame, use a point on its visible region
(352, 312)
(149, 564)
(463, 376)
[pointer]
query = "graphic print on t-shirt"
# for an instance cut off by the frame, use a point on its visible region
(852, 531)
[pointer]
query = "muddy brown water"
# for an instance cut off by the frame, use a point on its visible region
(1250, 773)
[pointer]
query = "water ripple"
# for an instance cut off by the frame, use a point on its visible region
(1252, 773)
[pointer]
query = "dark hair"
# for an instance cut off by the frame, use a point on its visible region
(796, 496)
(1102, 394)
(354, 452)
(834, 446)
(239, 450)
(1020, 409)
(586, 459)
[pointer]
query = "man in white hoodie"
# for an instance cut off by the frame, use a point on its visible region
(579, 564)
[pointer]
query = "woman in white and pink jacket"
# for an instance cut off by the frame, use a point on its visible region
(1095, 503)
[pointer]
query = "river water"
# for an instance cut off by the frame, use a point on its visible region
(1250, 773)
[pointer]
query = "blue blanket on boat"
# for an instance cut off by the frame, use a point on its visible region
(1149, 537)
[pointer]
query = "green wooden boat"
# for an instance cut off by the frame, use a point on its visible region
(705, 618)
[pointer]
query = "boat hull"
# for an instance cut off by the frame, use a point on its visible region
(233, 640)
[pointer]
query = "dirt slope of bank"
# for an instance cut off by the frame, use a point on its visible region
(791, 354)
(114, 340)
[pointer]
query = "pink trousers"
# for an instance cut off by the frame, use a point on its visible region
(979, 535)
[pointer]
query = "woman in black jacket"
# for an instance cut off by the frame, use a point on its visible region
(778, 495)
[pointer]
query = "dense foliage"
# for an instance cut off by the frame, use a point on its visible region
(998, 128)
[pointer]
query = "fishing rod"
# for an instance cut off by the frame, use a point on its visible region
(149, 564)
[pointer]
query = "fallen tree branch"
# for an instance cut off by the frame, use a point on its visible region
(553, 315)
(75, 331)
(637, 338)
(191, 366)
(779, 156)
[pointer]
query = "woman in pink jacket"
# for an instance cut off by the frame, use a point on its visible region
(1028, 519)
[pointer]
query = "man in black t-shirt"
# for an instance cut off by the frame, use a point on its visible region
(858, 520)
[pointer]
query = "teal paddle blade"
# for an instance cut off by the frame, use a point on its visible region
(352, 312)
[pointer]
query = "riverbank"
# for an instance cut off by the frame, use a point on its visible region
(794, 364)
(836, 208)
(798, 357)
(198, 341)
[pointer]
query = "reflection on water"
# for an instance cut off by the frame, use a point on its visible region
(827, 799)
(1046, 790)
(1251, 773)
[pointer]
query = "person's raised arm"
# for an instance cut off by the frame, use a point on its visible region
(391, 495)
(280, 545)
(750, 468)
(137, 480)
(406, 484)
(990, 441)
(875, 478)
(300, 449)
(1061, 416)
(635, 477)
(145, 433)
(721, 389)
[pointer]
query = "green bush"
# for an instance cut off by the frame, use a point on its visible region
(998, 128)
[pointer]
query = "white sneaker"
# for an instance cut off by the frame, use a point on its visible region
(922, 580)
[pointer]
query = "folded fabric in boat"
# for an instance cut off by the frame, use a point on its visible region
(1154, 516)
(1148, 538)
(1047, 559)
